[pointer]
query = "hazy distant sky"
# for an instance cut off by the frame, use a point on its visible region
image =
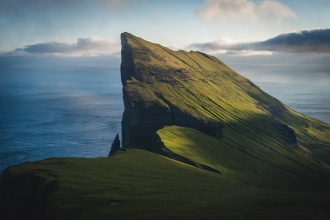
(169, 22)
(229, 29)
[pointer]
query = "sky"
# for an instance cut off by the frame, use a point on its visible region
(289, 38)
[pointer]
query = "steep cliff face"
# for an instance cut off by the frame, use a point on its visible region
(141, 117)
(144, 67)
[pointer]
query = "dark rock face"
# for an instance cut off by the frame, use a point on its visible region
(288, 135)
(140, 123)
(115, 146)
(127, 66)
(22, 202)
(24, 196)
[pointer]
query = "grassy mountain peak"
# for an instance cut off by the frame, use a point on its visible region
(196, 91)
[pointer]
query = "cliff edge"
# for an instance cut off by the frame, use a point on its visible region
(147, 70)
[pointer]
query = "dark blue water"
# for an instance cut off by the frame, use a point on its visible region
(69, 114)
(77, 114)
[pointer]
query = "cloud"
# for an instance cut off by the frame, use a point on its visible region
(317, 41)
(275, 9)
(309, 68)
(228, 10)
(228, 48)
(91, 46)
(306, 41)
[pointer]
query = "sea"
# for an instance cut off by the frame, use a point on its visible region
(78, 114)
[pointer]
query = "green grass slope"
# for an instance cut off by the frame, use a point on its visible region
(258, 130)
(137, 184)
(282, 169)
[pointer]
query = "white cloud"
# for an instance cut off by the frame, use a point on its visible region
(227, 10)
(247, 53)
(275, 9)
(97, 45)
(306, 41)
(91, 46)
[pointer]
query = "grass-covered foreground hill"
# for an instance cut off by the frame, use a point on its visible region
(137, 184)
(211, 145)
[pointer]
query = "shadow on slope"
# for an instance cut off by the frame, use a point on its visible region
(270, 163)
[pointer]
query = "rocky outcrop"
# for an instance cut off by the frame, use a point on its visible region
(115, 146)
(24, 195)
(288, 135)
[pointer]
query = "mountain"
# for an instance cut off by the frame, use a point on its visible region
(179, 98)
(208, 144)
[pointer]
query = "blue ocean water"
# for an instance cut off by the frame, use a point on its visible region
(69, 114)
(77, 114)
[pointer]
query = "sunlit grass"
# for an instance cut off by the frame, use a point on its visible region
(264, 166)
